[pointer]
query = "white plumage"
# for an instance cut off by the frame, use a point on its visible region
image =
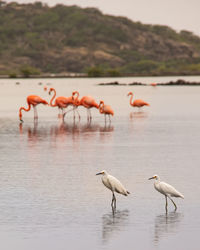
(167, 190)
(114, 185)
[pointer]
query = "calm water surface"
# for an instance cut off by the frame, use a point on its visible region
(50, 197)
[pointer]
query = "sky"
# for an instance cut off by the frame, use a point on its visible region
(177, 14)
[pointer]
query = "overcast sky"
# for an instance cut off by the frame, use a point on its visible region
(178, 14)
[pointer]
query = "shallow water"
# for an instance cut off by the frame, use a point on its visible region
(50, 196)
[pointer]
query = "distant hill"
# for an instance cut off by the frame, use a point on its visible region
(36, 38)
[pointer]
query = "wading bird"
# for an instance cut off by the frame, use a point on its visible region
(61, 102)
(106, 110)
(75, 99)
(33, 100)
(114, 185)
(138, 102)
(88, 102)
(167, 190)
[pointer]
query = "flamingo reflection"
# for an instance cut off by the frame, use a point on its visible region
(106, 128)
(138, 115)
(33, 133)
(63, 130)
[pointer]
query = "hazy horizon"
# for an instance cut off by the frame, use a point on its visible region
(179, 15)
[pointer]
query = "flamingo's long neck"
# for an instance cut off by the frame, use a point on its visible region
(131, 99)
(101, 107)
(96, 105)
(25, 109)
(51, 102)
(76, 101)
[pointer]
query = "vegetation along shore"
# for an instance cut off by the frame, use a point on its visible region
(34, 43)
(179, 82)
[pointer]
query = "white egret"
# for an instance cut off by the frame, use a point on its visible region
(114, 185)
(167, 190)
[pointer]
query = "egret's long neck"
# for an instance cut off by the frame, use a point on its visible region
(157, 181)
(105, 174)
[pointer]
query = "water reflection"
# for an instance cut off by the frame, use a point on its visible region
(138, 115)
(166, 224)
(106, 128)
(113, 222)
(33, 132)
(62, 130)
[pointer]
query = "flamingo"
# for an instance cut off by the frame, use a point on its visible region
(61, 102)
(86, 101)
(33, 100)
(137, 103)
(106, 110)
(74, 105)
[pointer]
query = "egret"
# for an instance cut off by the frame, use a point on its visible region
(114, 185)
(167, 190)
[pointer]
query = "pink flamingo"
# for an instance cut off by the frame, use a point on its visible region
(33, 100)
(86, 101)
(106, 110)
(74, 105)
(137, 103)
(61, 102)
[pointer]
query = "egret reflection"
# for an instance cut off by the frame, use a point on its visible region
(166, 224)
(113, 223)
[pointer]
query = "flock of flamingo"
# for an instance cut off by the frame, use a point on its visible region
(74, 101)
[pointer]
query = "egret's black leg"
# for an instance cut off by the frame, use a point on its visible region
(166, 203)
(173, 203)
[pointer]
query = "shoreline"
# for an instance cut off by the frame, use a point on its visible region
(84, 75)
(179, 82)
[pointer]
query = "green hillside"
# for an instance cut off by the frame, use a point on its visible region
(37, 39)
